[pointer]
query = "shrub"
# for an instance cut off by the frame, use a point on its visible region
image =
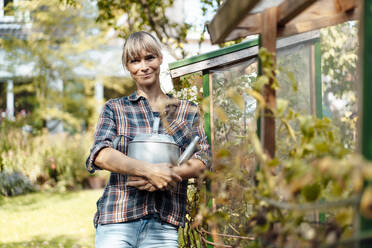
(14, 183)
(49, 160)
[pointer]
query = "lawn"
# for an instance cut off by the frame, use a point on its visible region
(48, 219)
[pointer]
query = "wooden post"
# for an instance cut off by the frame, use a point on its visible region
(365, 38)
(268, 40)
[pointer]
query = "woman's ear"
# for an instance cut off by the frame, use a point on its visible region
(161, 59)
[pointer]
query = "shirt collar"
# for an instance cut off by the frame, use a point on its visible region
(135, 97)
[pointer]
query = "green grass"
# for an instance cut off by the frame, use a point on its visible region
(48, 219)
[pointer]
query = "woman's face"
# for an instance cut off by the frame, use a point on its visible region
(145, 69)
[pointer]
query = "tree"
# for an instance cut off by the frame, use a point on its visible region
(127, 16)
(57, 48)
(145, 15)
(339, 46)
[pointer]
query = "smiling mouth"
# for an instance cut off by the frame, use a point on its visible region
(147, 75)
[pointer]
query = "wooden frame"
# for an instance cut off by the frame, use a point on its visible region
(234, 10)
(294, 17)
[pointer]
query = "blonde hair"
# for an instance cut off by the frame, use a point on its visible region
(138, 41)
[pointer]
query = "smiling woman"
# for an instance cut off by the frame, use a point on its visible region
(145, 69)
(143, 199)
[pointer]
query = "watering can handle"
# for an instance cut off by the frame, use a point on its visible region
(155, 126)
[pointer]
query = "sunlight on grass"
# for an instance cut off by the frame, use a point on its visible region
(48, 219)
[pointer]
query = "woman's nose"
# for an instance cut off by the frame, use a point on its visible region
(144, 66)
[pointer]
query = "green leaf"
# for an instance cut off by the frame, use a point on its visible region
(281, 106)
(274, 162)
(311, 192)
(260, 83)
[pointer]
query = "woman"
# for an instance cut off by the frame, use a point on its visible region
(144, 204)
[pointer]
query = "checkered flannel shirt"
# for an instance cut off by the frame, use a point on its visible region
(125, 117)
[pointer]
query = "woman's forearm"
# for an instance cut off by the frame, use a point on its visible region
(159, 175)
(115, 161)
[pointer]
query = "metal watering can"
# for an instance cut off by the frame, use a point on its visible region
(158, 148)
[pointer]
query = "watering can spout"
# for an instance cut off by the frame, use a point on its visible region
(189, 151)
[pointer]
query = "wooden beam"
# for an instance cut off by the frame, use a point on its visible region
(319, 14)
(344, 5)
(318, 23)
(268, 40)
(228, 16)
(251, 24)
(291, 8)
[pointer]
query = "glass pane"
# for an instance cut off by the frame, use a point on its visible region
(233, 114)
(230, 119)
(296, 86)
(296, 61)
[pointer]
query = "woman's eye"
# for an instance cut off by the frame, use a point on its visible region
(150, 57)
(133, 61)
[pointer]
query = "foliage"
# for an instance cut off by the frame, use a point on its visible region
(48, 160)
(314, 166)
(188, 88)
(314, 175)
(339, 47)
(14, 183)
(56, 49)
(154, 16)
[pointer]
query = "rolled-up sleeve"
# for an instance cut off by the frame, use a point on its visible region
(103, 136)
(203, 153)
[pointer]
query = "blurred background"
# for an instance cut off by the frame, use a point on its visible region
(60, 60)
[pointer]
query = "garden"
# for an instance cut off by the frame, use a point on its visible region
(286, 114)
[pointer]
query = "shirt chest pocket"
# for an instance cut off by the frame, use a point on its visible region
(125, 133)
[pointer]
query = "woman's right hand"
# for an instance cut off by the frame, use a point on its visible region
(162, 176)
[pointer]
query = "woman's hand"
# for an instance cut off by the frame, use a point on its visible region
(140, 183)
(163, 176)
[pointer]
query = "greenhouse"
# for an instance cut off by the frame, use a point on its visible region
(280, 99)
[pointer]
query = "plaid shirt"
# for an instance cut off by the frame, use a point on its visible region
(125, 117)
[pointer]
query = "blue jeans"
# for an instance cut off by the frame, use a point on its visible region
(148, 232)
